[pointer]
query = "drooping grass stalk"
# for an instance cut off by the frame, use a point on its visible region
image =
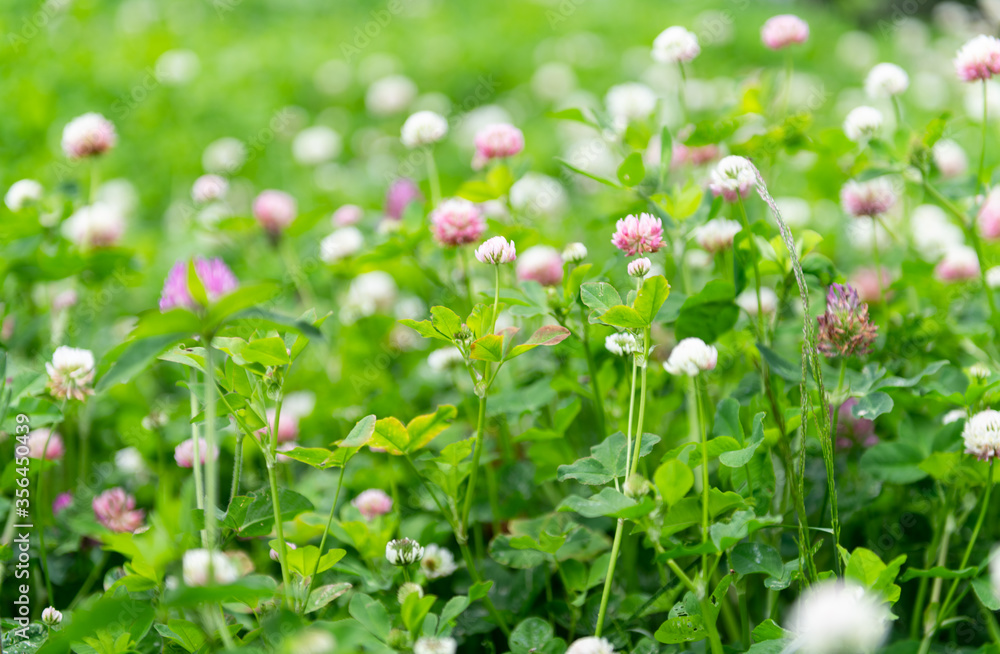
(432, 177)
(809, 359)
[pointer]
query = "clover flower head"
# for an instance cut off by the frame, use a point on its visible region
(845, 329)
(981, 435)
(496, 250)
(675, 45)
(640, 234)
(403, 551)
(71, 373)
(732, 178)
(690, 357)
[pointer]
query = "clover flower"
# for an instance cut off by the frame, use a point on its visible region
(214, 274)
(732, 178)
(71, 373)
(988, 219)
(496, 250)
(853, 431)
(690, 357)
(574, 253)
(423, 128)
(640, 234)
(591, 645)
(457, 221)
(274, 210)
(184, 453)
(348, 214)
(95, 226)
(202, 567)
(863, 123)
(51, 617)
(407, 589)
(978, 59)
(542, 264)
(717, 234)
(960, 263)
(621, 344)
(870, 283)
(209, 188)
(949, 158)
(675, 45)
(845, 329)
(629, 102)
(981, 435)
(316, 145)
(88, 136)
(886, 80)
(23, 193)
(341, 244)
(37, 448)
(497, 141)
(401, 193)
(838, 617)
(275, 556)
(115, 509)
(870, 198)
(433, 645)
(639, 268)
(226, 155)
(403, 551)
(538, 196)
(437, 562)
(784, 30)
(372, 503)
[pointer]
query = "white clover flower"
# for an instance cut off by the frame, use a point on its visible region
(407, 589)
(836, 617)
(675, 45)
(94, 226)
(621, 344)
(209, 188)
(591, 645)
(177, 67)
(886, 80)
(574, 253)
(437, 562)
(954, 416)
(933, 234)
(226, 155)
(690, 357)
(129, 461)
(747, 300)
(432, 645)
(949, 158)
(23, 193)
(71, 373)
(538, 196)
(390, 95)
(732, 178)
(403, 551)
(496, 250)
(978, 59)
(315, 145)
(629, 102)
(197, 563)
(88, 135)
(444, 358)
(51, 617)
(863, 123)
(340, 244)
(982, 435)
(717, 234)
(993, 277)
(313, 641)
(640, 267)
(371, 292)
(423, 128)
(979, 371)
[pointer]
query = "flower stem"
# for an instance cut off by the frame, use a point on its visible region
(326, 532)
(199, 492)
(432, 176)
(237, 466)
(477, 454)
(703, 436)
(211, 473)
(606, 595)
(272, 477)
(474, 573)
(642, 405)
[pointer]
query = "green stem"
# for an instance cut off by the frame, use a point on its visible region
(477, 454)
(432, 175)
(474, 573)
(326, 532)
(703, 437)
(642, 404)
(211, 473)
(946, 607)
(237, 466)
(199, 487)
(606, 595)
(272, 477)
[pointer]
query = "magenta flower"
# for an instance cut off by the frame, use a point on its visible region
(989, 216)
(457, 221)
(960, 263)
(542, 264)
(868, 199)
(694, 155)
(274, 210)
(372, 503)
(115, 509)
(62, 501)
(640, 234)
(215, 276)
(868, 284)
(401, 193)
(288, 430)
(845, 329)
(497, 142)
(349, 214)
(978, 59)
(784, 30)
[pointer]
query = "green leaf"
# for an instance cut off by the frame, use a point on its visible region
(652, 295)
(895, 462)
(415, 608)
(673, 479)
(768, 630)
(423, 429)
(984, 590)
(606, 460)
(361, 433)
(939, 572)
(709, 313)
(136, 357)
(488, 348)
(446, 321)
(371, 614)
(454, 608)
(269, 351)
(873, 405)
(609, 503)
(757, 558)
(780, 366)
(323, 595)
(631, 172)
(425, 329)
(864, 566)
(681, 629)
(547, 335)
(390, 434)
(259, 513)
(186, 634)
(599, 296)
(242, 298)
(530, 635)
(479, 590)
(623, 316)
(258, 318)
(739, 458)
